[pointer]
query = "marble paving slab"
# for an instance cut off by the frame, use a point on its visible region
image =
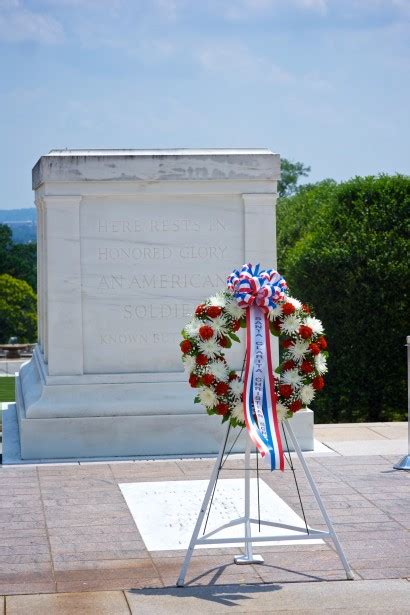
(165, 512)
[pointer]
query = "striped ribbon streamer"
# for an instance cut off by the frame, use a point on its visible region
(258, 290)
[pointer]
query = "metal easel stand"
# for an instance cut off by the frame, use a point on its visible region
(404, 463)
(249, 557)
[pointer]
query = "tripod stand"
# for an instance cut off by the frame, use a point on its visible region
(249, 557)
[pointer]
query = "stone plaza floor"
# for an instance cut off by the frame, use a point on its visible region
(66, 533)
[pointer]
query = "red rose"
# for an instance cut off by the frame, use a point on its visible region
(224, 342)
(288, 365)
(288, 308)
(305, 332)
(287, 343)
(307, 367)
(314, 348)
(236, 325)
(285, 390)
(199, 310)
(185, 346)
(232, 376)
(306, 308)
(295, 405)
(221, 388)
(208, 379)
(222, 409)
(201, 359)
(318, 383)
(193, 381)
(213, 311)
(322, 343)
(206, 332)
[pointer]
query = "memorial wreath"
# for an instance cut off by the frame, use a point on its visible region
(258, 301)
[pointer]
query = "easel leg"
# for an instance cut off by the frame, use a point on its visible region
(212, 481)
(249, 557)
(340, 552)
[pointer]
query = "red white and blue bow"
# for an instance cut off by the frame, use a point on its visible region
(259, 291)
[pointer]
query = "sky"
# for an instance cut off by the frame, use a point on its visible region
(325, 82)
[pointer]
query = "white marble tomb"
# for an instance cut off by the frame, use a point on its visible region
(129, 242)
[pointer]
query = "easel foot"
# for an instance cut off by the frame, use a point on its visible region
(181, 582)
(350, 576)
(245, 559)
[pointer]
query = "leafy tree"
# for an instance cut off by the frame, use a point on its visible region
(6, 243)
(290, 172)
(18, 310)
(22, 263)
(344, 249)
(16, 259)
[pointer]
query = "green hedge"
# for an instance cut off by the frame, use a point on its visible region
(344, 249)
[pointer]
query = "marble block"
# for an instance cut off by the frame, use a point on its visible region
(166, 526)
(129, 242)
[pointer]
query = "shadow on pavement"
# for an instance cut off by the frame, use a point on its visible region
(228, 595)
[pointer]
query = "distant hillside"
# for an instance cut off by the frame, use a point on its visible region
(18, 215)
(23, 223)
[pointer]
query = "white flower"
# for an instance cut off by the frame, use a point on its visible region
(219, 370)
(219, 324)
(219, 299)
(315, 324)
(236, 387)
(210, 348)
(207, 397)
(295, 302)
(281, 411)
(232, 308)
(291, 324)
(292, 377)
(192, 328)
(189, 363)
(298, 349)
(237, 413)
(320, 364)
(307, 393)
(275, 312)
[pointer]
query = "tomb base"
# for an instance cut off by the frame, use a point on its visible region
(82, 417)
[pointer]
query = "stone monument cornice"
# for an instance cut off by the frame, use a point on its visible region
(156, 165)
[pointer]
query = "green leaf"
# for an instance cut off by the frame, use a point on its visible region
(234, 337)
(242, 322)
(235, 422)
(197, 400)
(278, 370)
